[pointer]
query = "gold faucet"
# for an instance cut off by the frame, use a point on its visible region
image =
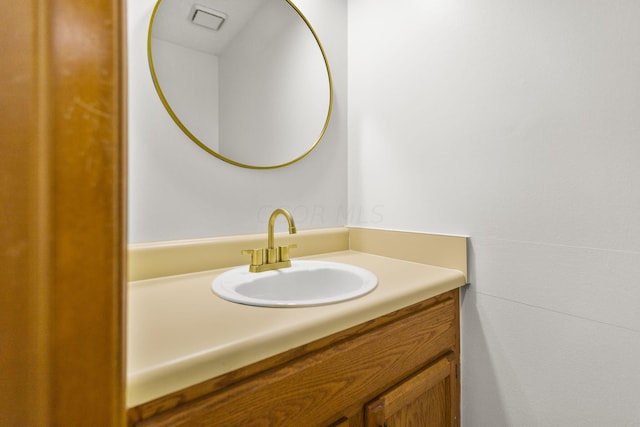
(272, 258)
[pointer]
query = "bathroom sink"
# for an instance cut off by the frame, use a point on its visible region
(305, 283)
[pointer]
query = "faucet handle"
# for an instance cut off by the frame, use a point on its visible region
(284, 251)
(257, 255)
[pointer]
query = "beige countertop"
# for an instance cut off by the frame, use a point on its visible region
(180, 333)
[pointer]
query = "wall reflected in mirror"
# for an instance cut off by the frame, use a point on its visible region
(248, 81)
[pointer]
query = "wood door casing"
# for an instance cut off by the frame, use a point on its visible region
(62, 193)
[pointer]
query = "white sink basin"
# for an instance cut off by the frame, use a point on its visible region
(305, 283)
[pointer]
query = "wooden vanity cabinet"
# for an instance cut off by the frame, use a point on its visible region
(397, 370)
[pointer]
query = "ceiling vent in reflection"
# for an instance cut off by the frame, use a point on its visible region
(206, 17)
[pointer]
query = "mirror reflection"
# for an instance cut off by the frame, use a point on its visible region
(248, 81)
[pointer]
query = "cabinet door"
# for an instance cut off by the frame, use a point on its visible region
(426, 399)
(344, 422)
(354, 420)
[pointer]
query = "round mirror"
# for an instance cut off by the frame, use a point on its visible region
(248, 81)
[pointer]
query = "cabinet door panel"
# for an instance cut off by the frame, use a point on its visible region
(425, 399)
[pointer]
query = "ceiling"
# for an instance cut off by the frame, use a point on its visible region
(172, 23)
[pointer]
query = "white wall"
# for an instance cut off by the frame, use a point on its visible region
(287, 114)
(516, 123)
(189, 81)
(178, 191)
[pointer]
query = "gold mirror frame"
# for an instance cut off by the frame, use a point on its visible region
(202, 145)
